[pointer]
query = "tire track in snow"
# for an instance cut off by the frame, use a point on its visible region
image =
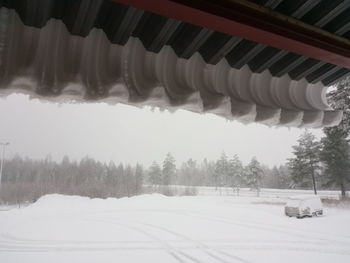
(184, 238)
(45, 248)
(174, 252)
(316, 244)
(204, 247)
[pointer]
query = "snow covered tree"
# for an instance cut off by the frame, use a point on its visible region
(270, 177)
(128, 180)
(335, 155)
(221, 170)
(305, 164)
(276, 176)
(120, 171)
(235, 173)
(155, 174)
(138, 178)
(188, 173)
(169, 170)
(207, 172)
(254, 175)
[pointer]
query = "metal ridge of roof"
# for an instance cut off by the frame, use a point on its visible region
(56, 64)
(120, 21)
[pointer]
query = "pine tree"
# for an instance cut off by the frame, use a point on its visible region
(188, 173)
(305, 164)
(189, 176)
(285, 180)
(120, 180)
(335, 155)
(128, 180)
(207, 170)
(138, 178)
(155, 174)
(169, 170)
(235, 173)
(254, 175)
(221, 170)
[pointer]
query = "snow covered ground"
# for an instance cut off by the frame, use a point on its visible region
(155, 228)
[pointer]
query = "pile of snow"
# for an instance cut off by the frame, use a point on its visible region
(59, 202)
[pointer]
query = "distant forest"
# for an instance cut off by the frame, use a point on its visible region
(25, 180)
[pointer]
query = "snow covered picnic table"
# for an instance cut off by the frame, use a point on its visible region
(155, 228)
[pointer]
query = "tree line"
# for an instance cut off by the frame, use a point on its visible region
(25, 179)
(224, 172)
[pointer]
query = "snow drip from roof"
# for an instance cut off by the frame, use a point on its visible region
(51, 63)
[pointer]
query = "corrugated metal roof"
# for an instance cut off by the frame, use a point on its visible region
(119, 22)
(153, 50)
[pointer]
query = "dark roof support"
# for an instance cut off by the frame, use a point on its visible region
(256, 23)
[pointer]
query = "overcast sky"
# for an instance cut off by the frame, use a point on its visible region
(128, 134)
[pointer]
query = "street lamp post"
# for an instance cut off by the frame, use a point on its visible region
(2, 157)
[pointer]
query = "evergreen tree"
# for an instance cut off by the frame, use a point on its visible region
(128, 180)
(305, 164)
(285, 180)
(120, 180)
(155, 174)
(335, 155)
(254, 175)
(188, 173)
(169, 170)
(221, 170)
(207, 171)
(138, 178)
(270, 179)
(235, 173)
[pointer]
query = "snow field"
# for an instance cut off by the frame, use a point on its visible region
(155, 228)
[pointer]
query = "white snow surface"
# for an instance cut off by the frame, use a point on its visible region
(155, 228)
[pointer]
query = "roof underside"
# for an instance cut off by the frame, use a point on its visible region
(58, 44)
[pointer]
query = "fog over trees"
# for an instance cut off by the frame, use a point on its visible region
(25, 180)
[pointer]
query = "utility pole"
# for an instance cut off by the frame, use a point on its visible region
(2, 157)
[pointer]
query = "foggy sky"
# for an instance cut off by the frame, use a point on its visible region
(128, 134)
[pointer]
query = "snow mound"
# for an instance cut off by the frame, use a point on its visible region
(60, 202)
